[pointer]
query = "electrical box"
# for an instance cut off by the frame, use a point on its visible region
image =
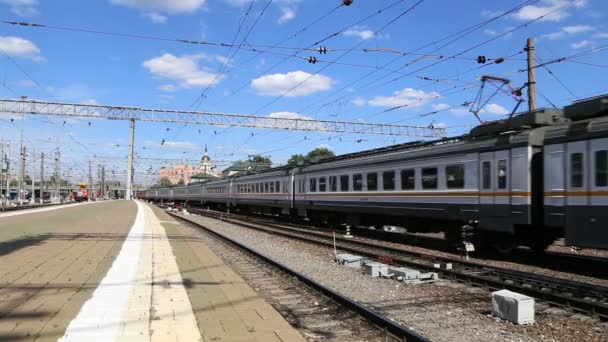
(513, 306)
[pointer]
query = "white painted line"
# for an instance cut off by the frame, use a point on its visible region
(142, 297)
(101, 317)
(38, 210)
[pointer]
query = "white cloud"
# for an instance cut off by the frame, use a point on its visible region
(19, 47)
(23, 8)
(168, 6)
(360, 32)
(279, 84)
(290, 124)
(184, 69)
(440, 125)
(496, 109)
(552, 10)
(177, 145)
(602, 35)
(27, 83)
(287, 15)
(90, 102)
(567, 30)
(156, 17)
(359, 102)
(440, 106)
(581, 44)
(289, 115)
(407, 97)
(168, 88)
(489, 32)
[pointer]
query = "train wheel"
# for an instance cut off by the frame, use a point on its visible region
(505, 245)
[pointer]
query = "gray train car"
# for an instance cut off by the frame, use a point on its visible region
(576, 174)
(266, 192)
(431, 187)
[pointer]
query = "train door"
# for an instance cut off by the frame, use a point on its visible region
(598, 196)
(486, 182)
(577, 192)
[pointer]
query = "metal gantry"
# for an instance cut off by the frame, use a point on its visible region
(133, 114)
(210, 118)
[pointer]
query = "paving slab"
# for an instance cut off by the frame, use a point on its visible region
(51, 261)
(225, 306)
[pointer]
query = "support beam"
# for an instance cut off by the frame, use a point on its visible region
(129, 194)
(215, 119)
(531, 75)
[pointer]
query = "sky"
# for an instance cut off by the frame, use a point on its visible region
(409, 62)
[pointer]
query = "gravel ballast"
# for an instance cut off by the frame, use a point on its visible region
(444, 311)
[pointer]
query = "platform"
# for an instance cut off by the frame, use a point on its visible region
(122, 271)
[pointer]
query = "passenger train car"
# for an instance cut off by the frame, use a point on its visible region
(529, 179)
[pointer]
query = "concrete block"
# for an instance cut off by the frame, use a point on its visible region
(350, 260)
(376, 269)
(513, 306)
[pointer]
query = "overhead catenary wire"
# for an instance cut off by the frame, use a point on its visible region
(399, 16)
(452, 38)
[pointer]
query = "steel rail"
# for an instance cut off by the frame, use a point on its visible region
(590, 298)
(402, 332)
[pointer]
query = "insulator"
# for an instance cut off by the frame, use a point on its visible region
(312, 60)
(347, 2)
(518, 92)
(322, 50)
(499, 60)
(481, 59)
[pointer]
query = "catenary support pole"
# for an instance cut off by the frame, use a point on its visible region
(129, 194)
(531, 75)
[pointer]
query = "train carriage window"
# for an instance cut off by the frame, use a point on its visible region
(344, 183)
(266, 187)
(322, 184)
(486, 174)
(601, 168)
(313, 185)
(277, 186)
(576, 170)
(388, 180)
(408, 179)
(333, 183)
(429, 178)
(372, 181)
(357, 182)
(454, 176)
(502, 174)
(271, 189)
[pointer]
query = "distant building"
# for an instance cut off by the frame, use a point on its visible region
(189, 173)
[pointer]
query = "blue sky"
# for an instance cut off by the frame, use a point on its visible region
(79, 67)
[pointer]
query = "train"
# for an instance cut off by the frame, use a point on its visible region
(529, 179)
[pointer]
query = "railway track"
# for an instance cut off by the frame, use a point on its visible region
(576, 296)
(593, 266)
(319, 312)
(4, 208)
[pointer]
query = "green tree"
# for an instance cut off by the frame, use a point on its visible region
(164, 182)
(296, 159)
(320, 153)
(259, 163)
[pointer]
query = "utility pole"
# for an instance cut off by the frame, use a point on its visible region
(21, 174)
(33, 177)
(8, 172)
(102, 191)
(90, 183)
(41, 177)
(129, 194)
(531, 75)
(57, 178)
